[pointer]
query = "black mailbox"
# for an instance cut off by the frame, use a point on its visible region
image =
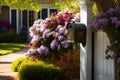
(76, 33)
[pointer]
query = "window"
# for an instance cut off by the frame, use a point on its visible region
(14, 18)
(53, 10)
(31, 17)
(44, 13)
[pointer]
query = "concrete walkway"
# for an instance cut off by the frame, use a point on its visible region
(5, 64)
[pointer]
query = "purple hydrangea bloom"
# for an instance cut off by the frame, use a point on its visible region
(39, 50)
(60, 38)
(111, 11)
(89, 27)
(45, 49)
(42, 28)
(54, 44)
(118, 60)
(35, 38)
(114, 55)
(114, 19)
(31, 52)
(116, 41)
(117, 10)
(49, 34)
(62, 30)
(117, 24)
(45, 33)
(58, 27)
(103, 21)
(108, 48)
(65, 44)
(38, 21)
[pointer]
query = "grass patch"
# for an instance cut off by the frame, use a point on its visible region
(6, 48)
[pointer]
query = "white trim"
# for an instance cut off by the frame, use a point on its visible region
(48, 15)
(10, 16)
(40, 14)
(21, 18)
(17, 14)
(0, 8)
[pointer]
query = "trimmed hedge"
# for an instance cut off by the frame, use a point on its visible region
(10, 36)
(40, 71)
(17, 63)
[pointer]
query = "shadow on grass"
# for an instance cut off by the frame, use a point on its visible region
(6, 78)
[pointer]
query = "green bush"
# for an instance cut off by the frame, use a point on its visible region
(11, 36)
(20, 38)
(17, 63)
(7, 36)
(40, 71)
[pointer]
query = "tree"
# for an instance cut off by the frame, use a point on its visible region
(34, 4)
(102, 6)
(71, 5)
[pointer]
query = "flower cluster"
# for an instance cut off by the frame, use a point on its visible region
(109, 22)
(108, 19)
(49, 35)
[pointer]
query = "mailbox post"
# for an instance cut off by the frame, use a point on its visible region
(76, 33)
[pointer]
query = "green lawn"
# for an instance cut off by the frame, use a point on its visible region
(6, 48)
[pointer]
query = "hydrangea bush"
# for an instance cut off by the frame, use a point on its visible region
(49, 35)
(109, 22)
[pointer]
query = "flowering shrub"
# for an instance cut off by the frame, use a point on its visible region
(49, 35)
(69, 62)
(109, 22)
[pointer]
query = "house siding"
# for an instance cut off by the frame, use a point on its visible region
(4, 15)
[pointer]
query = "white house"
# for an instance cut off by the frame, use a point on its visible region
(94, 66)
(23, 18)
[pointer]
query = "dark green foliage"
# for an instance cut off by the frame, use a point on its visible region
(20, 38)
(6, 36)
(40, 71)
(11, 36)
(17, 63)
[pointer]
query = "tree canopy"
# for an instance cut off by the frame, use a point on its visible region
(71, 5)
(100, 5)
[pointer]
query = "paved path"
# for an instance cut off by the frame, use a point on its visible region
(5, 64)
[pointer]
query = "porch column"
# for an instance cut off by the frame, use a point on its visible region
(86, 52)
